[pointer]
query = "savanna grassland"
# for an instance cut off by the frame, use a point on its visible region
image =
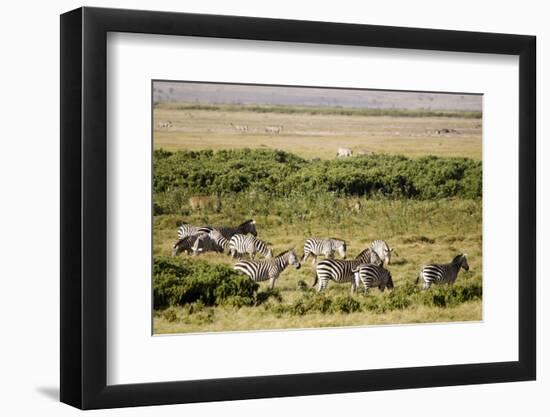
(417, 189)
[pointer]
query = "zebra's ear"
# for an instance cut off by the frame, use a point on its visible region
(391, 249)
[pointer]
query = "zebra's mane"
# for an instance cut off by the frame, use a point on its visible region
(458, 257)
(247, 222)
(284, 253)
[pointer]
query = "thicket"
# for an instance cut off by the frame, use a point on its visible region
(281, 174)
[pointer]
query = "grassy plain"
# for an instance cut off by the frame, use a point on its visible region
(421, 231)
(317, 135)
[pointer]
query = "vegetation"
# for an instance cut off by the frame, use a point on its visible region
(281, 174)
(317, 110)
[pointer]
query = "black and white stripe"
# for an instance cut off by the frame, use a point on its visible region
(315, 247)
(371, 276)
(185, 244)
(340, 271)
(187, 229)
(207, 243)
(383, 250)
(268, 269)
(442, 273)
(244, 228)
(241, 244)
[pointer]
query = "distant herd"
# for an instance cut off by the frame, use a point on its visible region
(368, 269)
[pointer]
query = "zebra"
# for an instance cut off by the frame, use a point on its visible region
(341, 271)
(383, 250)
(273, 129)
(227, 232)
(371, 275)
(189, 230)
(207, 243)
(316, 246)
(185, 244)
(442, 273)
(344, 153)
(268, 269)
(239, 128)
(241, 244)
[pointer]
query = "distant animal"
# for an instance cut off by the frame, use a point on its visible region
(326, 247)
(239, 128)
(165, 125)
(344, 153)
(273, 130)
(341, 271)
(315, 159)
(184, 244)
(355, 205)
(442, 273)
(371, 275)
(240, 244)
(227, 232)
(383, 250)
(202, 202)
(445, 130)
(268, 269)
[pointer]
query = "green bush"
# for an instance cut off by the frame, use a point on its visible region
(280, 174)
(179, 281)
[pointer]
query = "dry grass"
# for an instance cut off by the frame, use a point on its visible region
(319, 136)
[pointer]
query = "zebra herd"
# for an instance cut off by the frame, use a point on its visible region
(369, 268)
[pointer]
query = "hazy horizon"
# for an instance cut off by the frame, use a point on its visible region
(216, 93)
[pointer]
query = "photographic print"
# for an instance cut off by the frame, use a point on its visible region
(291, 207)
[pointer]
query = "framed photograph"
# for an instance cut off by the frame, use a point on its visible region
(256, 208)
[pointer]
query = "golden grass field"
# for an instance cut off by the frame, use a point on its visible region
(319, 136)
(419, 231)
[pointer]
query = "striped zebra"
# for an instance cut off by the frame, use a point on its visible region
(340, 270)
(383, 250)
(275, 130)
(268, 269)
(187, 229)
(244, 228)
(185, 244)
(371, 276)
(241, 244)
(326, 247)
(212, 241)
(442, 273)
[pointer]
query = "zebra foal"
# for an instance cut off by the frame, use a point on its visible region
(241, 244)
(326, 247)
(268, 269)
(442, 273)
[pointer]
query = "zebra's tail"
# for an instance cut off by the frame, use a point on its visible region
(417, 279)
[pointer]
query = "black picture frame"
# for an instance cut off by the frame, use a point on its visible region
(84, 207)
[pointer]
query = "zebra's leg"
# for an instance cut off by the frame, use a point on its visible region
(272, 282)
(426, 285)
(305, 256)
(313, 259)
(353, 286)
(322, 285)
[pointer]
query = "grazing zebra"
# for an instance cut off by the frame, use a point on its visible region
(206, 243)
(383, 250)
(268, 269)
(273, 129)
(340, 270)
(248, 226)
(344, 153)
(185, 244)
(442, 273)
(241, 244)
(371, 276)
(326, 247)
(239, 128)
